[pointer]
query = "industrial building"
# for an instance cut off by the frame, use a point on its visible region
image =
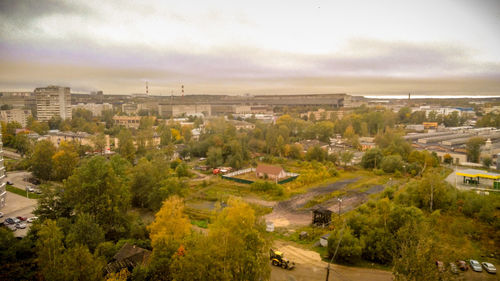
(53, 101)
(452, 141)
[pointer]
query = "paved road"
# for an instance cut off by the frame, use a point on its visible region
(18, 178)
(11, 154)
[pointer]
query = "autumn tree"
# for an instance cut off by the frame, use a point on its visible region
(167, 232)
(64, 161)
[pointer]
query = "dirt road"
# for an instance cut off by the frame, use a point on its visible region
(310, 267)
(292, 213)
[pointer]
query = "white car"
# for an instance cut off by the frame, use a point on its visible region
(32, 219)
(475, 265)
(490, 268)
(16, 220)
(1, 215)
(21, 225)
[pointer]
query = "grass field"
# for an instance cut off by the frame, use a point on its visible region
(21, 192)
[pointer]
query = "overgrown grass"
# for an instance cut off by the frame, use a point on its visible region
(200, 223)
(21, 192)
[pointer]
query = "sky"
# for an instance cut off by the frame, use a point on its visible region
(383, 47)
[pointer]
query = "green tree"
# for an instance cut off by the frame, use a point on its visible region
(214, 157)
(96, 189)
(126, 146)
(316, 153)
(41, 160)
(346, 157)
(349, 250)
(487, 162)
(392, 163)
(80, 264)
(50, 249)
(372, 158)
(85, 232)
(473, 147)
(51, 204)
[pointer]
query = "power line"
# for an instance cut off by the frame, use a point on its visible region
(335, 253)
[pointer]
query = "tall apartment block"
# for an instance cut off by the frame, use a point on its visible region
(53, 101)
(3, 192)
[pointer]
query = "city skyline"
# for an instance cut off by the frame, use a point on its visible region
(383, 48)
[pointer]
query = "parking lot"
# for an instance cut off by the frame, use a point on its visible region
(17, 205)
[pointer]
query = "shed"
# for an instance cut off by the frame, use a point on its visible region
(323, 240)
(322, 216)
(129, 256)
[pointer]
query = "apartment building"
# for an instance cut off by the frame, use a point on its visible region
(53, 101)
(17, 115)
(3, 192)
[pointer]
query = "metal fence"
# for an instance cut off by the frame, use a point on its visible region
(230, 176)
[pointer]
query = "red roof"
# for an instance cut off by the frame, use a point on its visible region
(268, 169)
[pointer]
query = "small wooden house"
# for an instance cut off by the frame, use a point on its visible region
(270, 172)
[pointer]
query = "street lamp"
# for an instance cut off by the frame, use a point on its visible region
(340, 205)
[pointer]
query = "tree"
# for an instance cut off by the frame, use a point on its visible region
(51, 204)
(316, 153)
(167, 232)
(487, 162)
(97, 190)
(50, 248)
(473, 147)
(85, 232)
(41, 160)
(99, 141)
(235, 249)
(349, 250)
(64, 161)
(346, 157)
(372, 158)
(126, 146)
(214, 157)
(80, 264)
(392, 163)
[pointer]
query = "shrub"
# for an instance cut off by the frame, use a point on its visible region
(266, 186)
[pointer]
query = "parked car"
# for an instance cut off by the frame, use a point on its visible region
(1, 215)
(32, 219)
(12, 227)
(16, 220)
(38, 191)
(30, 188)
(22, 218)
(490, 268)
(9, 183)
(462, 265)
(475, 265)
(21, 225)
(9, 220)
(453, 268)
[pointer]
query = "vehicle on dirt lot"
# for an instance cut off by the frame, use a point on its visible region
(22, 218)
(490, 268)
(32, 219)
(462, 265)
(476, 266)
(9, 220)
(1, 215)
(12, 227)
(21, 225)
(16, 220)
(453, 268)
(277, 259)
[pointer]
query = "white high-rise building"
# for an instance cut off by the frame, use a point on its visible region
(53, 101)
(3, 192)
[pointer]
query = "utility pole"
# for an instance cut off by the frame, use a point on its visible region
(340, 205)
(432, 194)
(335, 253)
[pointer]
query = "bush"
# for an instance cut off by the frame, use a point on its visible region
(378, 172)
(333, 172)
(350, 248)
(392, 163)
(266, 186)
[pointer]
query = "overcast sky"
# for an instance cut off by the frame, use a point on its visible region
(265, 47)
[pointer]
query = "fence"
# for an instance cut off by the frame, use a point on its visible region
(231, 176)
